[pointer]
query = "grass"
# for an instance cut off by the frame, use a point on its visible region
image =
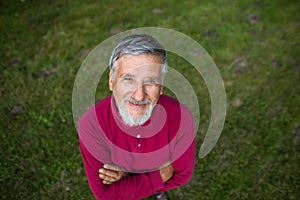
(255, 45)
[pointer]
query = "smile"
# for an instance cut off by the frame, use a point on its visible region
(136, 105)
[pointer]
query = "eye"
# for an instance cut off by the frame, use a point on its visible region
(127, 78)
(152, 81)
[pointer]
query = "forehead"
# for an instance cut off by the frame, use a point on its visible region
(140, 64)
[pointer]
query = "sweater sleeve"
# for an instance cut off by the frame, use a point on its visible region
(183, 153)
(183, 169)
(133, 187)
(95, 152)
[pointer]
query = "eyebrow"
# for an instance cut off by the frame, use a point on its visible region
(147, 77)
(153, 78)
(126, 75)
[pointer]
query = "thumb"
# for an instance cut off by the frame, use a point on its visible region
(113, 167)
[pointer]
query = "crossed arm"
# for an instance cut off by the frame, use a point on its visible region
(110, 182)
(114, 183)
(111, 173)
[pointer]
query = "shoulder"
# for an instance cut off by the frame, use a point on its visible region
(99, 110)
(103, 105)
(172, 105)
(168, 102)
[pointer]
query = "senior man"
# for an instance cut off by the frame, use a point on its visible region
(137, 142)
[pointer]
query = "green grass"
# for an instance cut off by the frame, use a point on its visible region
(44, 42)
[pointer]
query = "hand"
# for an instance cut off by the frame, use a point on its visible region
(111, 174)
(166, 171)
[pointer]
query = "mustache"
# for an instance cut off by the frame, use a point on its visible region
(133, 101)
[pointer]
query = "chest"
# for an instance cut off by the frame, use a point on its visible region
(140, 149)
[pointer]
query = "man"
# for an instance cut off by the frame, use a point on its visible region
(137, 142)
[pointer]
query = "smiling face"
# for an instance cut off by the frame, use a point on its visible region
(136, 86)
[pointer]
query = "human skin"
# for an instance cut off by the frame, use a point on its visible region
(138, 77)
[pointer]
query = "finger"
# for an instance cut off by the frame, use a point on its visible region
(112, 167)
(106, 182)
(107, 178)
(110, 173)
(165, 164)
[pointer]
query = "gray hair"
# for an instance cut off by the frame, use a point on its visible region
(134, 45)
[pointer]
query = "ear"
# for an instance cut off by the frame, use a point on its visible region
(161, 90)
(110, 82)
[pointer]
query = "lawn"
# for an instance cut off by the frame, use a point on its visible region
(254, 44)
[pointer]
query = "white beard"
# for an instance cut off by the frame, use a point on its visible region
(131, 120)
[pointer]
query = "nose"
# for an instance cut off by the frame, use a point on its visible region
(139, 93)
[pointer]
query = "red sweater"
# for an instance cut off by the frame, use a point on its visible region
(169, 135)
